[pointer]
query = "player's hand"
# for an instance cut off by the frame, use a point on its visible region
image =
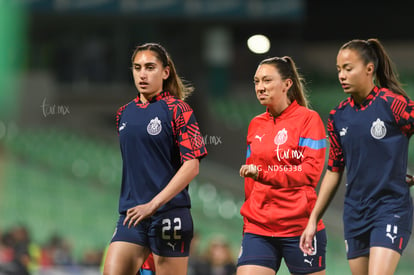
(410, 180)
(306, 239)
(138, 213)
(249, 170)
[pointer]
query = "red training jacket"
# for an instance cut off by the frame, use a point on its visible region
(289, 151)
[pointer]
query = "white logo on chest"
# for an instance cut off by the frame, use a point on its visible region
(281, 137)
(378, 130)
(154, 127)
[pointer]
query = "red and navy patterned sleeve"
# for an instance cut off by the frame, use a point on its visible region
(403, 111)
(336, 158)
(118, 117)
(187, 132)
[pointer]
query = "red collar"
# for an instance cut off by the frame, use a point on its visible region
(285, 112)
(367, 101)
(155, 98)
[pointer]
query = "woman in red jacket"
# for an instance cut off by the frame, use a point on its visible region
(285, 159)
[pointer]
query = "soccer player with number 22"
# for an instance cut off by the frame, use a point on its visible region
(161, 146)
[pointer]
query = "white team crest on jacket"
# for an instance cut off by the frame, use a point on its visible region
(378, 130)
(281, 137)
(154, 127)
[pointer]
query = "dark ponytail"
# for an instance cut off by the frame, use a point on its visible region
(372, 50)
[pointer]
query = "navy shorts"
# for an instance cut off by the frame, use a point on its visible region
(389, 236)
(269, 251)
(166, 234)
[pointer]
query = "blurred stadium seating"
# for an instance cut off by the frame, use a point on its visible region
(60, 182)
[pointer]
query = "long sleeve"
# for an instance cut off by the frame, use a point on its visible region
(403, 111)
(289, 152)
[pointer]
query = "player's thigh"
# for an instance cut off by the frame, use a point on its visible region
(357, 251)
(255, 269)
(383, 260)
(359, 265)
(170, 265)
(124, 258)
